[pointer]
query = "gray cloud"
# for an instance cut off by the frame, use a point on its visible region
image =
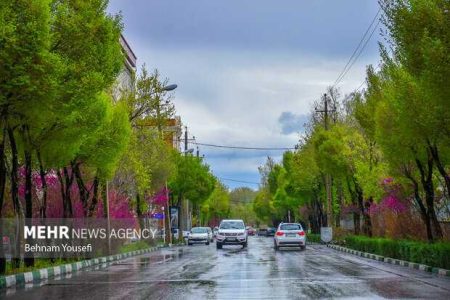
(291, 123)
(247, 73)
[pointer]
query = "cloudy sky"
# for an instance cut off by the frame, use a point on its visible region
(248, 70)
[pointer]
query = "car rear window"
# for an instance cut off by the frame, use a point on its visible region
(290, 227)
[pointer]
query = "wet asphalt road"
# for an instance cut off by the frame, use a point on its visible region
(258, 272)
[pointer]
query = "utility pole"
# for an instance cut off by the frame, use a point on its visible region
(325, 111)
(183, 203)
(185, 140)
(163, 116)
(108, 220)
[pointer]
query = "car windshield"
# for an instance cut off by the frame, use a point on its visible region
(198, 230)
(290, 227)
(232, 225)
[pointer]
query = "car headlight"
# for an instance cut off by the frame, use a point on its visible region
(241, 234)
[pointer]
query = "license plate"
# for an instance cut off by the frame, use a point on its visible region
(290, 235)
(231, 239)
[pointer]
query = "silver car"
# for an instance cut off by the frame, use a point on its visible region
(290, 235)
(231, 232)
(210, 234)
(198, 235)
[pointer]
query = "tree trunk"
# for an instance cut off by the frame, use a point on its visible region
(356, 223)
(182, 217)
(181, 221)
(15, 194)
(340, 198)
(28, 256)
(84, 192)
(2, 194)
(167, 233)
(65, 186)
(42, 173)
(423, 211)
(68, 211)
(14, 168)
(441, 168)
(356, 215)
(316, 214)
(314, 218)
(426, 176)
(139, 210)
(367, 225)
(62, 189)
(94, 201)
(367, 220)
(105, 200)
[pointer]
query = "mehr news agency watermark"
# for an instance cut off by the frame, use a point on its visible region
(65, 233)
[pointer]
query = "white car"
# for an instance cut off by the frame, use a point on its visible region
(198, 235)
(231, 232)
(210, 234)
(289, 235)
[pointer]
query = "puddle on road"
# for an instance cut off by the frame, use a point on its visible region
(194, 271)
(233, 251)
(159, 258)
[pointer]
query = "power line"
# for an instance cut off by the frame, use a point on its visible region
(352, 58)
(364, 81)
(362, 49)
(240, 181)
(360, 86)
(247, 148)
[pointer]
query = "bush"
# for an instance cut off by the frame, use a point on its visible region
(133, 247)
(314, 238)
(39, 263)
(435, 255)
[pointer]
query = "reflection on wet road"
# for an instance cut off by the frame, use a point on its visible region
(258, 272)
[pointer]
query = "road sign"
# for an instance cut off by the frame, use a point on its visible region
(326, 234)
(158, 216)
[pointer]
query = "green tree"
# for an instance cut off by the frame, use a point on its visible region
(242, 195)
(28, 73)
(56, 58)
(307, 184)
(414, 100)
(192, 181)
(99, 155)
(263, 205)
(217, 206)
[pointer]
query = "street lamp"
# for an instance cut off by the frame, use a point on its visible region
(167, 229)
(169, 87)
(191, 150)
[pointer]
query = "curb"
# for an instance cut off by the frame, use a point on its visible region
(393, 261)
(36, 276)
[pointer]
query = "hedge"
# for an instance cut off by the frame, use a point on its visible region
(434, 255)
(314, 238)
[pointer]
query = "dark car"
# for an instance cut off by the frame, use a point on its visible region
(262, 232)
(271, 231)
